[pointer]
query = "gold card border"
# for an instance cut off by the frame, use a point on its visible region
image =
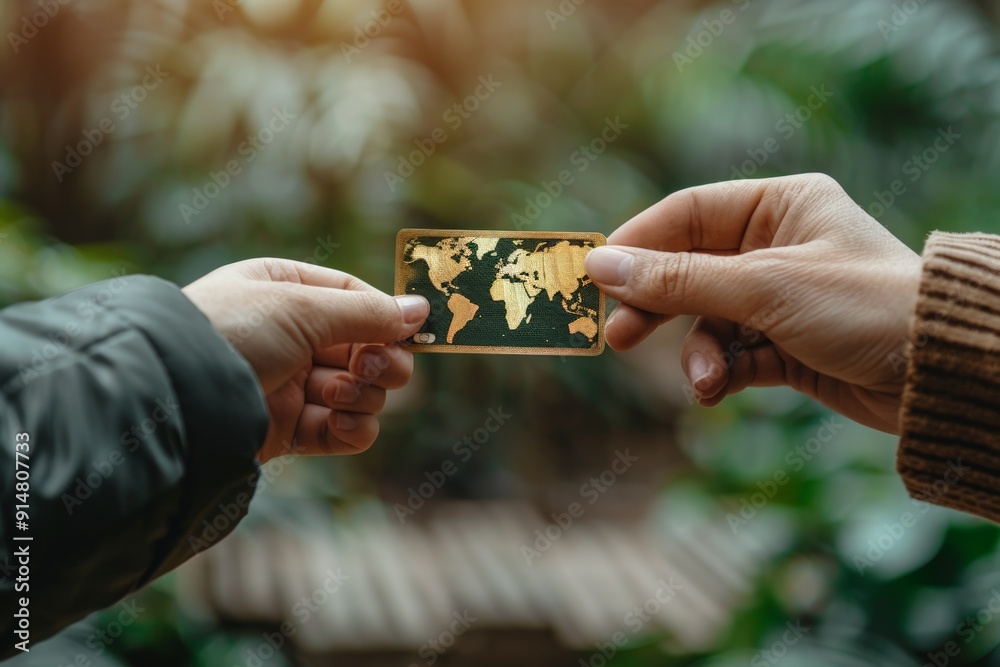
(597, 238)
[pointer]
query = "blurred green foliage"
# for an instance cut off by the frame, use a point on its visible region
(319, 192)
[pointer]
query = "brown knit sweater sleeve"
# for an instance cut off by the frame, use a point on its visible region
(949, 453)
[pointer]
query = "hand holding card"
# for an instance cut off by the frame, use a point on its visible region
(503, 292)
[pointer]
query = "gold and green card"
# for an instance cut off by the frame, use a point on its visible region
(503, 292)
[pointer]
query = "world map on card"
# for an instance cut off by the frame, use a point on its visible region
(490, 293)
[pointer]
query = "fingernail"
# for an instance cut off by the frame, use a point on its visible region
(346, 422)
(415, 309)
(609, 266)
(699, 370)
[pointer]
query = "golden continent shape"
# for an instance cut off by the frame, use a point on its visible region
(558, 270)
(442, 267)
(463, 311)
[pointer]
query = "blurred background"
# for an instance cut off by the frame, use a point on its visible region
(174, 136)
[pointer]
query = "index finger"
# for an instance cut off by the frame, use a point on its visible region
(302, 273)
(733, 216)
(321, 276)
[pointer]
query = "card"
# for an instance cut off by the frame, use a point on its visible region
(503, 292)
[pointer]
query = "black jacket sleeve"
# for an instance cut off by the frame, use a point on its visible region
(142, 426)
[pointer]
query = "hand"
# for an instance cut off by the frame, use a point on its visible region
(318, 340)
(793, 284)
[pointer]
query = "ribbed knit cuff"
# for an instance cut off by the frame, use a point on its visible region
(949, 452)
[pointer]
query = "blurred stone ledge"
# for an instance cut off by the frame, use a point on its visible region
(396, 587)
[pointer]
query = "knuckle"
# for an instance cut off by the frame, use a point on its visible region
(355, 284)
(669, 276)
(279, 270)
(807, 190)
(818, 181)
(692, 202)
(794, 201)
(376, 307)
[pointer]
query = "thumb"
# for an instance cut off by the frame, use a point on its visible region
(333, 316)
(678, 283)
